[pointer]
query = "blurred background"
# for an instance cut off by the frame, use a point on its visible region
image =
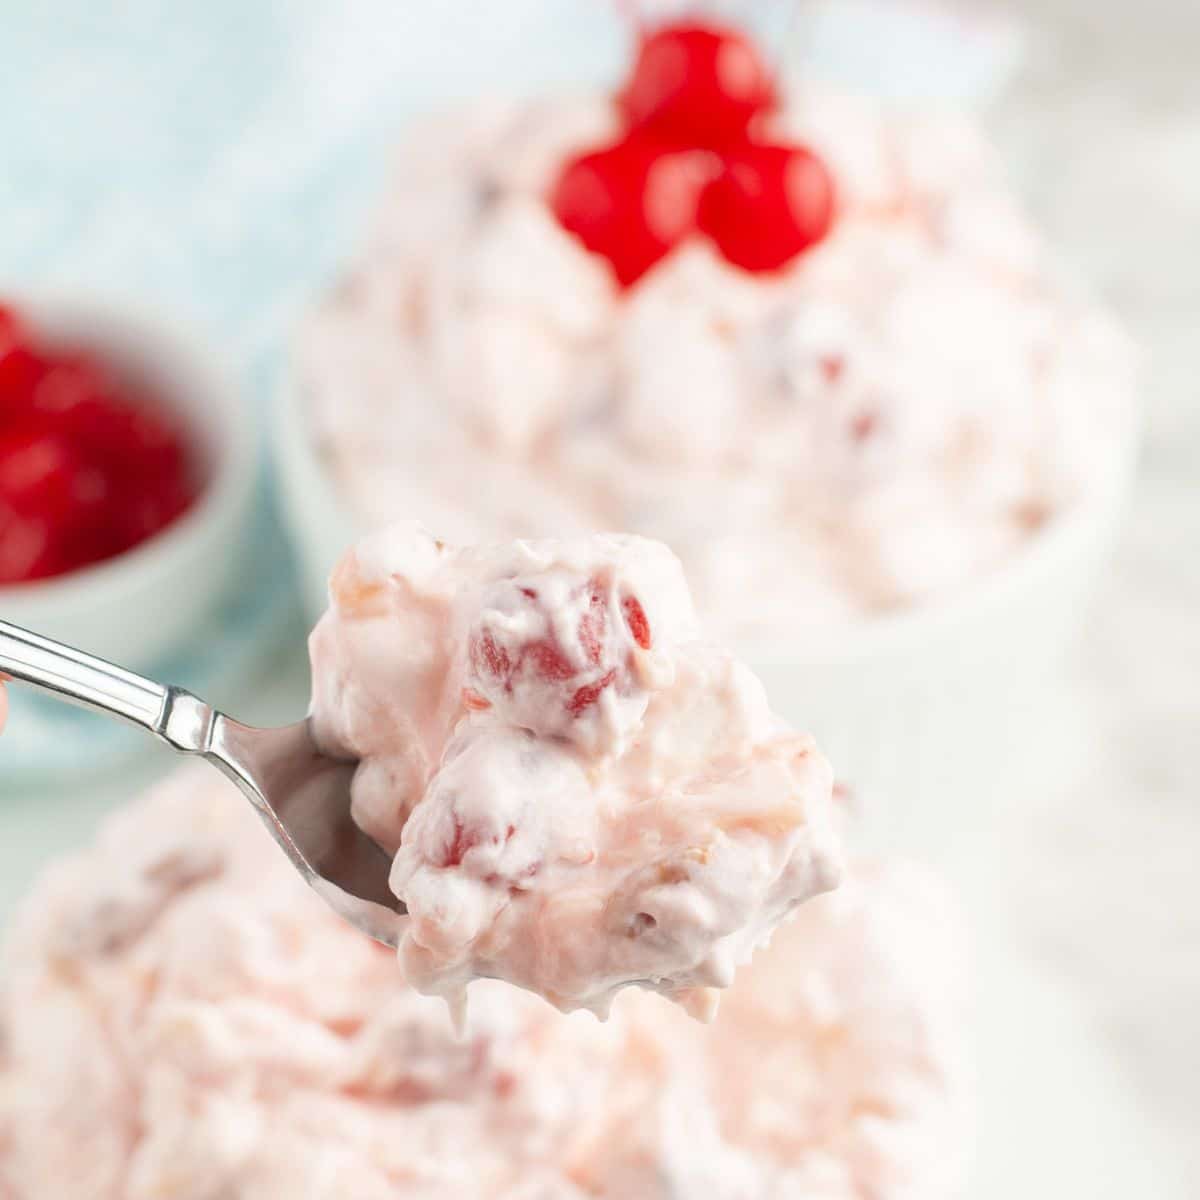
(215, 160)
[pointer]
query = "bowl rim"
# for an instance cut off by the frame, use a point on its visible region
(153, 336)
(904, 633)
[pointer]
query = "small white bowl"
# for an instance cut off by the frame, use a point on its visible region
(137, 607)
(923, 713)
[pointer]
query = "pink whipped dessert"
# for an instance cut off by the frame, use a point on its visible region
(808, 340)
(182, 1017)
(580, 793)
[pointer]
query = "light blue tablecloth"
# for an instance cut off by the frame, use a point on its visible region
(215, 159)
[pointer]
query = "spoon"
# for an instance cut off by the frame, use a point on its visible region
(301, 793)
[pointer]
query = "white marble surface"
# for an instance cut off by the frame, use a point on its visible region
(1105, 125)
(1090, 933)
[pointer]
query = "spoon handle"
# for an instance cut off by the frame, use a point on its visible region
(82, 678)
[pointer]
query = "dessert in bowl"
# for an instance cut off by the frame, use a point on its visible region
(183, 1017)
(807, 340)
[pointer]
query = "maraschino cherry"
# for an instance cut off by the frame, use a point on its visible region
(696, 85)
(769, 204)
(689, 163)
(569, 676)
(631, 202)
(87, 469)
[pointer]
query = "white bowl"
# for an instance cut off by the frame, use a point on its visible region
(137, 607)
(923, 713)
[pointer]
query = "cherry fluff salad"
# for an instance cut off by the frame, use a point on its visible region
(580, 793)
(192, 1021)
(806, 339)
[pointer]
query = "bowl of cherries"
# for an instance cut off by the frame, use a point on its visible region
(127, 467)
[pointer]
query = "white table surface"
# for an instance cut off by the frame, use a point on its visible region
(1089, 938)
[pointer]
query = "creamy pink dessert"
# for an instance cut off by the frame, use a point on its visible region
(580, 793)
(885, 396)
(182, 1017)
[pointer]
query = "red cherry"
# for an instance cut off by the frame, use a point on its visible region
(674, 184)
(43, 476)
(543, 681)
(697, 85)
(490, 660)
(28, 549)
(586, 696)
(598, 198)
(769, 204)
(549, 661)
(635, 618)
(631, 202)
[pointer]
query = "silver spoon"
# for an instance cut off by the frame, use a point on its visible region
(302, 794)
